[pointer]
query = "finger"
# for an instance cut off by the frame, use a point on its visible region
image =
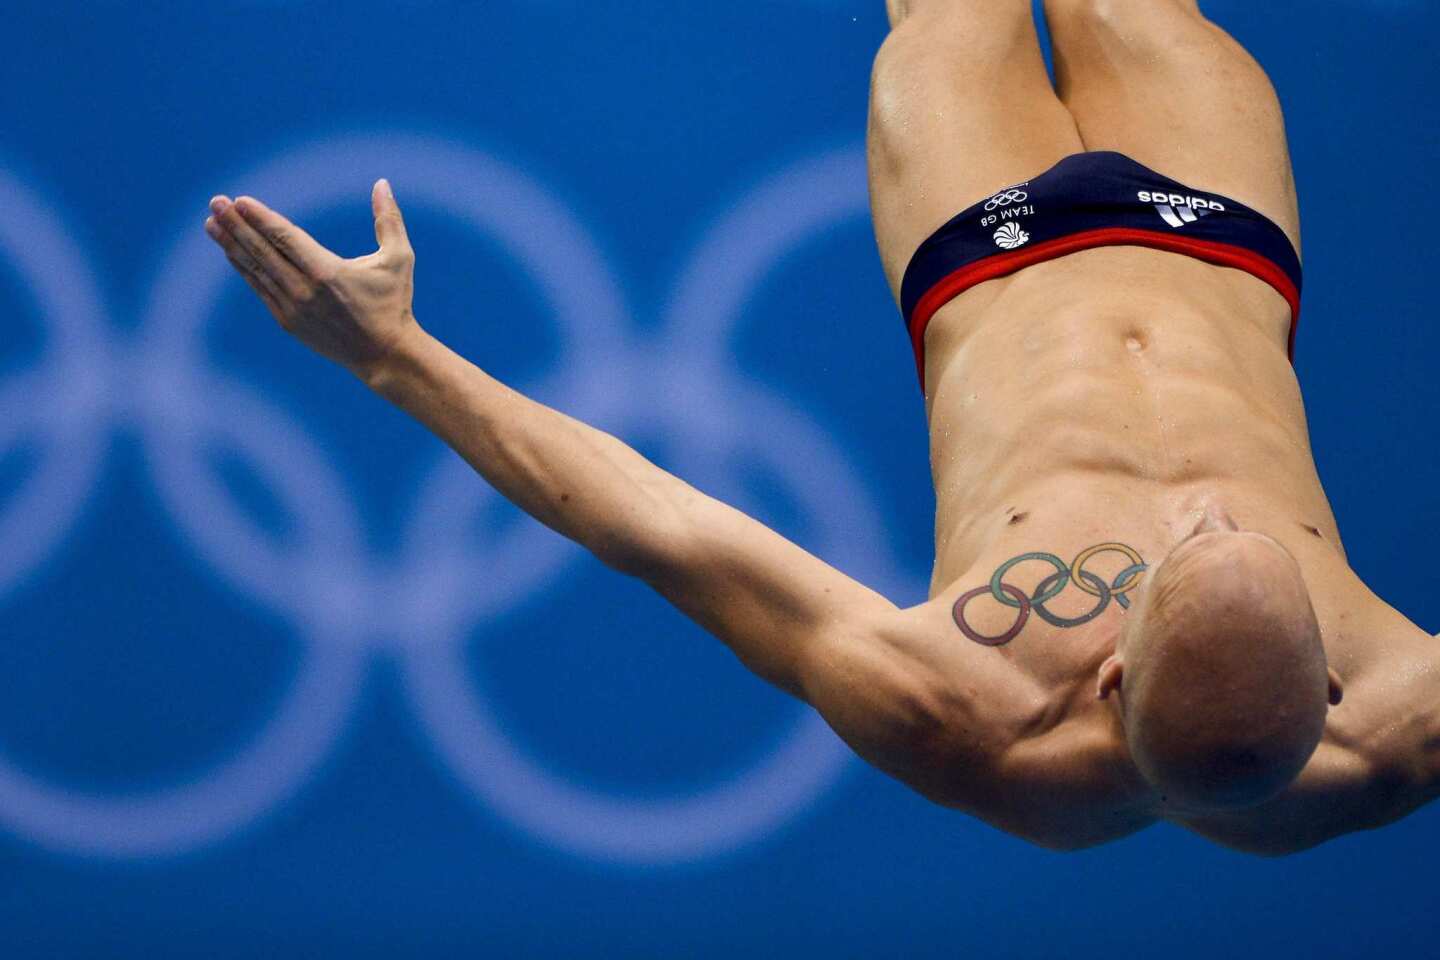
(390, 230)
(268, 298)
(294, 244)
(240, 258)
(243, 262)
(266, 259)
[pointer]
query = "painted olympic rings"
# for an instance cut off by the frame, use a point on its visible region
(1101, 590)
(1049, 588)
(999, 639)
(1126, 587)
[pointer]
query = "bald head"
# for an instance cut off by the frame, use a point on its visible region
(1225, 684)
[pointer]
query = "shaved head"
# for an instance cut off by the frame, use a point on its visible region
(1225, 684)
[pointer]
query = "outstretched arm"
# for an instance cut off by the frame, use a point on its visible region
(764, 596)
(792, 619)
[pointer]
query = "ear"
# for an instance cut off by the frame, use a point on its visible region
(1112, 672)
(1337, 689)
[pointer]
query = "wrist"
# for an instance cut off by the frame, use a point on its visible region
(402, 354)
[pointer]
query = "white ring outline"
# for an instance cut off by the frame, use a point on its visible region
(172, 820)
(73, 402)
(62, 398)
(785, 210)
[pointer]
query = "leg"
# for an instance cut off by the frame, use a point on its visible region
(960, 106)
(1156, 80)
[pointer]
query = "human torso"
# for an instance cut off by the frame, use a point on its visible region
(1085, 409)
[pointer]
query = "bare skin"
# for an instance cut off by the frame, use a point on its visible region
(1112, 395)
(1123, 398)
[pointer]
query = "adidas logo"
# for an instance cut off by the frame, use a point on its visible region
(1177, 210)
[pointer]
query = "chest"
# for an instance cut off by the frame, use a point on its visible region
(1049, 600)
(1049, 577)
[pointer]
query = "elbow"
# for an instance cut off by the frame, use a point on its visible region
(651, 554)
(623, 556)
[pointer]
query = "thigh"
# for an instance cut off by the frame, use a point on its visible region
(960, 106)
(1156, 80)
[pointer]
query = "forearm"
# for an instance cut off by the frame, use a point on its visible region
(774, 604)
(581, 482)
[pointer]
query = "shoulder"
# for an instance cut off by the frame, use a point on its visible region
(1389, 719)
(970, 686)
(937, 713)
(1073, 786)
(980, 735)
(1016, 748)
(1343, 790)
(1379, 760)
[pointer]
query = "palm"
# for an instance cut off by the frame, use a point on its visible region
(351, 311)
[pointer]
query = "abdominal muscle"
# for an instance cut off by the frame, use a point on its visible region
(1104, 397)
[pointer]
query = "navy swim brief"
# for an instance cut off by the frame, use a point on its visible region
(1094, 199)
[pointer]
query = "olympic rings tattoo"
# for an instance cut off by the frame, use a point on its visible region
(1049, 588)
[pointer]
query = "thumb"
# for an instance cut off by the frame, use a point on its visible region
(389, 225)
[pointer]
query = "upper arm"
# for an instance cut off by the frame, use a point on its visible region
(888, 681)
(768, 599)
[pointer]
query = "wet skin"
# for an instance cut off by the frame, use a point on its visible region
(1119, 398)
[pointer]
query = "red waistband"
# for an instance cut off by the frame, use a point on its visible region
(990, 268)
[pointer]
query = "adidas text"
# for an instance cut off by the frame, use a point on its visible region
(1174, 199)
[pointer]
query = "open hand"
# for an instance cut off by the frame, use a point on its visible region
(357, 311)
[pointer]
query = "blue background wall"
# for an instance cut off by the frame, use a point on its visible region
(279, 675)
